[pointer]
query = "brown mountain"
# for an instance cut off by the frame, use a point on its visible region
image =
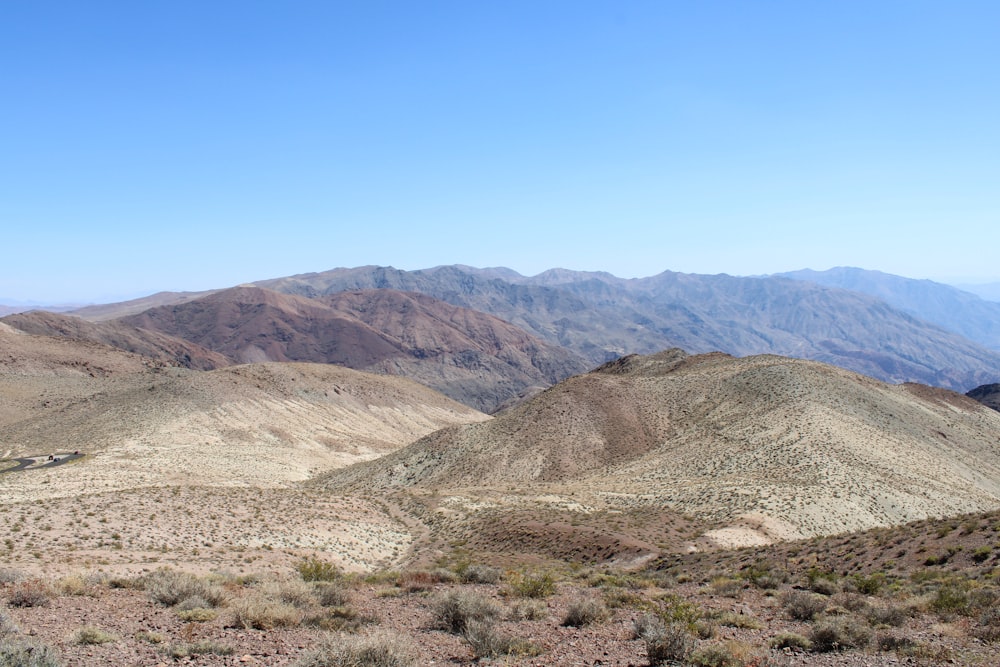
(152, 344)
(987, 394)
(764, 446)
(472, 357)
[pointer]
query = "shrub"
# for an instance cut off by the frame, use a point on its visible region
(584, 612)
(893, 616)
(667, 643)
(870, 585)
(727, 586)
(203, 647)
(380, 649)
(197, 615)
(11, 576)
(791, 640)
(842, 633)
(803, 606)
(31, 593)
(951, 598)
(528, 585)
(676, 609)
(169, 587)
(7, 625)
(27, 653)
(290, 591)
(331, 594)
(486, 642)
(454, 610)
(256, 612)
(527, 610)
(480, 574)
(891, 642)
(981, 554)
(726, 654)
(314, 569)
(92, 635)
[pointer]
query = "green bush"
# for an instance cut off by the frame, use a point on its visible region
(530, 585)
(314, 569)
(92, 635)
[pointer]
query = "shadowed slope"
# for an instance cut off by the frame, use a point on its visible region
(764, 446)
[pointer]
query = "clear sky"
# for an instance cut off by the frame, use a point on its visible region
(181, 145)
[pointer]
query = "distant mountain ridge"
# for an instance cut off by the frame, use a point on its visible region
(949, 307)
(601, 317)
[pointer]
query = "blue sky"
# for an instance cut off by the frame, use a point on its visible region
(182, 145)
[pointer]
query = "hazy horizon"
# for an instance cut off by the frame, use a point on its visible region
(186, 146)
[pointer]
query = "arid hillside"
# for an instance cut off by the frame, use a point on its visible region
(762, 448)
(472, 357)
(143, 424)
(152, 344)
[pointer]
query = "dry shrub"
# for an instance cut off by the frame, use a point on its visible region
(838, 634)
(480, 574)
(299, 594)
(30, 593)
(91, 635)
(203, 647)
(11, 576)
(665, 643)
(803, 606)
(331, 594)
(893, 616)
(259, 613)
(27, 652)
(454, 610)
(379, 649)
(197, 615)
(74, 585)
(727, 586)
(527, 610)
(791, 640)
(487, 642)
(725, 654)
(169, 587)
(8, 627)
(584, 612)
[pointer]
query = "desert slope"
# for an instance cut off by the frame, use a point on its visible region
(168, 349)
(762, 446)
(146, 424)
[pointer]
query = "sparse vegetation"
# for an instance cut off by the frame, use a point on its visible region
(454, 610)
(379, 649)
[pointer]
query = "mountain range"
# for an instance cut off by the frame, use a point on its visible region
(488, 336)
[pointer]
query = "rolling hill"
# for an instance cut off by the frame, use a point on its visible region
(143, 424)
(763, 447)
